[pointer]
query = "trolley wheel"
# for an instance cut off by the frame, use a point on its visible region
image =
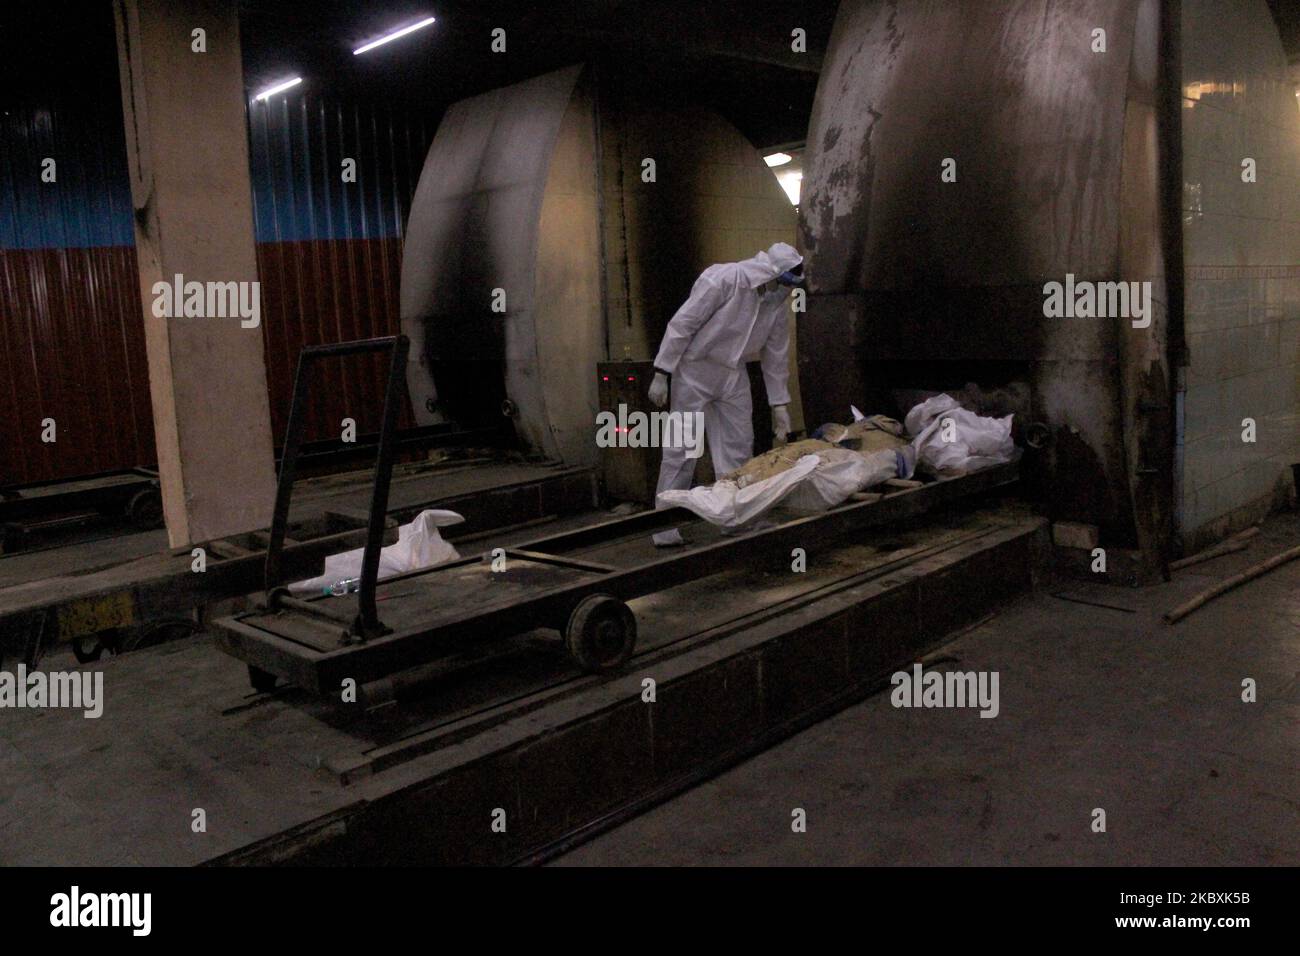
(263, 681)
(145, 509)
(601, 633)
(87, 649)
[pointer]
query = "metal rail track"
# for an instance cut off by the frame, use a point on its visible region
(311, 644)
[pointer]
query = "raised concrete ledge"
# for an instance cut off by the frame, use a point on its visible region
(570, 767)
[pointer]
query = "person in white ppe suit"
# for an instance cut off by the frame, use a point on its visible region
(735, 314)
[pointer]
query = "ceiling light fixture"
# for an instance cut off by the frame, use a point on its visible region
(278, 88)
(393, 36)
(777, 159)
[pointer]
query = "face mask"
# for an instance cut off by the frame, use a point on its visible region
(791, 277)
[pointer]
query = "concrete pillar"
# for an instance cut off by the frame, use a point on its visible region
(187, 143)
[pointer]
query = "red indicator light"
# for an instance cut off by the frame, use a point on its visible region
(631, 378)
(604, 378)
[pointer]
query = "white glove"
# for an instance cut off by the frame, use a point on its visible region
(659, 389)
(780, 425)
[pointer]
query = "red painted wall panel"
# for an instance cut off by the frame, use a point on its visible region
(72, 349)
(329, 291)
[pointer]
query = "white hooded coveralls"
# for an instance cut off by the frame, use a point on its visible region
(727, 321)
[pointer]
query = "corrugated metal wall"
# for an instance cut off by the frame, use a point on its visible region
(71, 331)
(329, 251)
(71, 334)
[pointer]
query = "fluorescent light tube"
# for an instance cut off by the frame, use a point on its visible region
(393, 36)
(278, 88)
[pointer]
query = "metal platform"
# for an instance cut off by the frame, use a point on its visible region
(49, 508)
(118, 589)
(129, 604)
(742, 658)
(427, 614)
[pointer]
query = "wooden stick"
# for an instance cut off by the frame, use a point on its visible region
(1252, 572)
(1228, 547)
(1238, 542)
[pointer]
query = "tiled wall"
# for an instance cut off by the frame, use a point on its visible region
(1242, 251)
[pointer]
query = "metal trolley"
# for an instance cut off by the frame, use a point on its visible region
(554, 581)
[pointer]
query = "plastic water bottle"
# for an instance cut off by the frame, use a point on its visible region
(343, 586)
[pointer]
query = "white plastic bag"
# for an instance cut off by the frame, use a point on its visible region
(814, 483)
(419, 545)
(951, 441)
(920, 417)
(724, 504)
(841, 472)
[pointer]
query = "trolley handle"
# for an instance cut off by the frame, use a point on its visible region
(367, 622)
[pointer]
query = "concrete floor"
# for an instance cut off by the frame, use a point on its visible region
(1099, 709)
(182, 729)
